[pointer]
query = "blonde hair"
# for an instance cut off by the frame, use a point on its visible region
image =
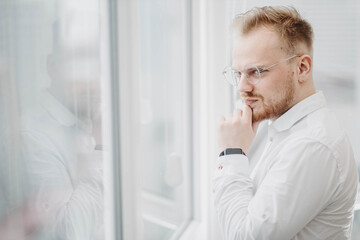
(286, 21)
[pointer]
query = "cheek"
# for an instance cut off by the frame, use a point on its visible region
(273, 86)
(267, 92)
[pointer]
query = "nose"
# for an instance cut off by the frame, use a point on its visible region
(244, 85)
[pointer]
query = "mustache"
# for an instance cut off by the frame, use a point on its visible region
(252, 95)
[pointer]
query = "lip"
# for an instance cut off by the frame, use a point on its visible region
(250, 101)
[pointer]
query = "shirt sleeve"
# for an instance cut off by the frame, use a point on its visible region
(70, 208)
(299, 182)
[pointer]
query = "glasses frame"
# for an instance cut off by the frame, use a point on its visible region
(234, 81)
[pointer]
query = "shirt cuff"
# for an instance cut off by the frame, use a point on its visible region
(232, 164)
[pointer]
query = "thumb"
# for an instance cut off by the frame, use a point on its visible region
(247, 114)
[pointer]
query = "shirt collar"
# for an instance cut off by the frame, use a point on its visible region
(298, 111)
(57, 110)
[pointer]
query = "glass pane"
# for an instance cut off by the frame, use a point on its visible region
(165, 163)
(51, 168)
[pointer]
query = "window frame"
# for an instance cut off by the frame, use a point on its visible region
(212, 97)
(124, 67)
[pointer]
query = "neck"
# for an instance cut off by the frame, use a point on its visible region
(305, 90)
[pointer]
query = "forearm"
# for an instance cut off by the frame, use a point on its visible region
(233, 189)
(81, 215)
(232, 196)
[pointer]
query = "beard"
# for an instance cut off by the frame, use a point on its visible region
(275, 107)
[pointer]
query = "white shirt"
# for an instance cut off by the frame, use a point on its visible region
(64, 171)
(299, 180)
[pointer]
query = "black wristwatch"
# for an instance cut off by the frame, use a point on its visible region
(229, 151)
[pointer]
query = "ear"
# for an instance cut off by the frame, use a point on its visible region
(304, 68)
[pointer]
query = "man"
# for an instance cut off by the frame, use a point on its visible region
(296, 177)
(61, 156)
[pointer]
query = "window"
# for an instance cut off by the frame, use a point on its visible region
(51, 88)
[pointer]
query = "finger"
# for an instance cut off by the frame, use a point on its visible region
(247, 114)
(238, 112)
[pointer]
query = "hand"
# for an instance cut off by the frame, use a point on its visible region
(237, 130)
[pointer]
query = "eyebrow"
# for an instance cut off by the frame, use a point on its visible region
(261, 66)
(251, 66)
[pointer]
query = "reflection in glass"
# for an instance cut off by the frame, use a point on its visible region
(52, 160)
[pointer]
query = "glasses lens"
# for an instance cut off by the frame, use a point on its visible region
(253, 75)
(230, 76)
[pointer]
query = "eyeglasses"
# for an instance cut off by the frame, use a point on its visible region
(252, 73)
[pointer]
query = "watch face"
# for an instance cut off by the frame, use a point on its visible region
(229, 151)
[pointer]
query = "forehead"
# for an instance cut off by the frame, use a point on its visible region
(260, 46)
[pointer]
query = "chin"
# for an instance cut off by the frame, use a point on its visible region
(259, 116)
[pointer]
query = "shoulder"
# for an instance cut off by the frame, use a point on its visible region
(320, 128)
(39, 131)
(320, 136)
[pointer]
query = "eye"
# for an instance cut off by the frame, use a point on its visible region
(253, 72)
(263, 70)
(237, 75)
